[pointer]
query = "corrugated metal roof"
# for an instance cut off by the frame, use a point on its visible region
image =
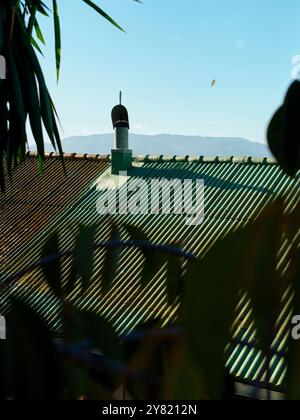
(31, 201)
(236, 190)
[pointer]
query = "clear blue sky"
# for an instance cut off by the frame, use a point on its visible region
(165, 62)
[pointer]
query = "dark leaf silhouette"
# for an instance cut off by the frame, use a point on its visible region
(51, 269)
(284, 132)
(33, 365)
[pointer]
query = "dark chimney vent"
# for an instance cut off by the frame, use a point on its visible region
(121, 155)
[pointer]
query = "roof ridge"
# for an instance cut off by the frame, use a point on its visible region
(163, 158)
(77, 156)
(204, 159)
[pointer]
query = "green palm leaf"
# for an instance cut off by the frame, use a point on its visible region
(57, 37)
(102, 13)
(24, 94)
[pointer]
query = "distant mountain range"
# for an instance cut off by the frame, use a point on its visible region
(167, 144)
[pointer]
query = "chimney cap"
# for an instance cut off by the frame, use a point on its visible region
(119, 115)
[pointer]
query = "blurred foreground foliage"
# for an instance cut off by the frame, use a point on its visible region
(184, 361)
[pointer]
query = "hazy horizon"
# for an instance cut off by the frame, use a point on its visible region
(165, 144)
(111, 133)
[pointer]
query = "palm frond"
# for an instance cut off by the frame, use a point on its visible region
(24, 95)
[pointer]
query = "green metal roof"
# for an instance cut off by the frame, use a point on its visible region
(236, 190)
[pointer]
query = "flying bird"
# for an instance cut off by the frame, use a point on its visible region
(213, 83)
